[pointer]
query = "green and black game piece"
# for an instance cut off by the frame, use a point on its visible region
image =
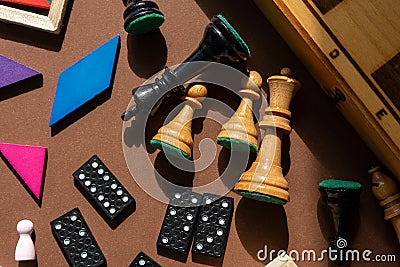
(340, 198)
(142, 17)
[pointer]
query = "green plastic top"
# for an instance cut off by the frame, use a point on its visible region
(235, 33)
(339, 184)
(167, 148)
(261, 197)
(236, 145)
(144, 24)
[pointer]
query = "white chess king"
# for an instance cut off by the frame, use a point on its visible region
(25, 250)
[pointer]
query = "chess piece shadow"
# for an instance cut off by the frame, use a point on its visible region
(33, 37)
(147, 53)
(21, 87)
(38, 201)
(318, 129)
(88, 106)
(261, 224)
(228, 162)
(132, 138)
(151, 124)
(257, 110)
(197, 125)
(225, 96)
(172, 173)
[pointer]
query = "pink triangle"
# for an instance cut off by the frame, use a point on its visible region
(28, 162)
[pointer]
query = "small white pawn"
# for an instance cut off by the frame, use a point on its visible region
(25, 250)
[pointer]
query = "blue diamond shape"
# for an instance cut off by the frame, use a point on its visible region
(85, 80)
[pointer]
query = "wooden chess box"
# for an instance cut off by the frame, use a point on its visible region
(352, 48)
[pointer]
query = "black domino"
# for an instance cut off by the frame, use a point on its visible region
(143, 260)
(76, 241)
(213, 224)
(102, 188)
(176, 232)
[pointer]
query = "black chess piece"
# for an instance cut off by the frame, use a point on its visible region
(340, 197)
(221, 43)
(142, 16)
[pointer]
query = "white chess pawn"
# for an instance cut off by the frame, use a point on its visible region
(25, 250)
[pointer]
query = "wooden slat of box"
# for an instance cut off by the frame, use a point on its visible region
(350, 47)
(51, 23)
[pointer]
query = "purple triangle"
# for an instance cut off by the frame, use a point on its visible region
(13, 72)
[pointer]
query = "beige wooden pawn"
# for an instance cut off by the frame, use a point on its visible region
(385, 190)
(175, 138)
(264, 180)
(240, 133)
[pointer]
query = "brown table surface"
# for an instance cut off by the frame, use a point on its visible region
(322, 143)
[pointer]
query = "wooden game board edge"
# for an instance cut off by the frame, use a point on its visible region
(50, 23)
(380, 137)
(56, 13)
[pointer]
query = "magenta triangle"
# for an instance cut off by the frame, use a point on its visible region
(29, 163)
